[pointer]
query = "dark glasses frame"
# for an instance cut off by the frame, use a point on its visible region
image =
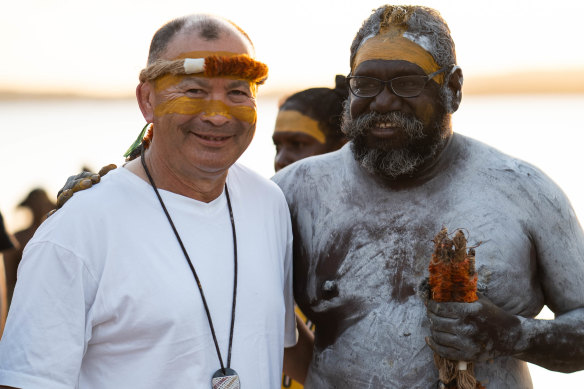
(382, 84)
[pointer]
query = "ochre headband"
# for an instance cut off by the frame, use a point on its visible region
(294, 121)
(208, 64)
(391, 44)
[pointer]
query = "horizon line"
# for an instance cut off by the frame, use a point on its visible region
(568, 81)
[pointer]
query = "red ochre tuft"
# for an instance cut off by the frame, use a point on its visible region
(148, 138)
(241, 66)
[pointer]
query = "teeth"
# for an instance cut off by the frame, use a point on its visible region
(214, 138)
(386, 125)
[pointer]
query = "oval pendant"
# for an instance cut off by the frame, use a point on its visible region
(229, 380)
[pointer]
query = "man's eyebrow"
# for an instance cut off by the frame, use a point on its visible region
(198, 80)
(237, 83)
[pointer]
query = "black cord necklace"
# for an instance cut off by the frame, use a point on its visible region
(225, 377)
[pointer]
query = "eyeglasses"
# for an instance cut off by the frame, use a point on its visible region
(405, 86)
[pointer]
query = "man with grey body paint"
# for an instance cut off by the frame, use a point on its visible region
(364, 218)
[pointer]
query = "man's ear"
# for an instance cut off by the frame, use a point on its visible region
(455, 85)
(145, 95)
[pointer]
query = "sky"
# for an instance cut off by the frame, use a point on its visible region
(90, 47)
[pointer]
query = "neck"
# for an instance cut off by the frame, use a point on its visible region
(427, 171)
(197, 185)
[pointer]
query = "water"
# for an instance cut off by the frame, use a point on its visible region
(43, 142)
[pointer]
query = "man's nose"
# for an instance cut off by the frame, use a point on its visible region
(282, 159)
(386, 101)
(216, 118)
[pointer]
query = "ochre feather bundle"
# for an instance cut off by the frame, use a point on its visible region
(453, 279)
(452, 269)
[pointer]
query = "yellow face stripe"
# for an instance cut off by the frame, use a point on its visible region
(294, 121)
(390, 44)
(188, 106)
(166, 81)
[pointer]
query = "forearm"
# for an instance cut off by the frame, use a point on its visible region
(554, 344)
(297, 358)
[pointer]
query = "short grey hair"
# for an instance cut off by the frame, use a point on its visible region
(209, 27)
(423, 24)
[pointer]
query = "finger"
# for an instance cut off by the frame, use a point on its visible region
(95, 178)
(438, 323)
(451, 310)
(456, 347)
(72, 180)
(82, 185)
(446, 339)
(83, 174)
(444, 351)
(63, 197)
(106, 169)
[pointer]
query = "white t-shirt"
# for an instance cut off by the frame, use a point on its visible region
(105, 297)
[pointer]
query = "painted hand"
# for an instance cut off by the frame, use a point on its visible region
(81, 181)
(471, 332)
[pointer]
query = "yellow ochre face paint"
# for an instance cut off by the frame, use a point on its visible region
(391, 44)
(294, 121)
(223, 65)
(189, 106)
(166, 81)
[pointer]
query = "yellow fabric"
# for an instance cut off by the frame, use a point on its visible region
(189, 106)
(390, 44)
(294, 121)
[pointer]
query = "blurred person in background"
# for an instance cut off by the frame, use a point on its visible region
(7, 244)
(39, 204)
(309, 123)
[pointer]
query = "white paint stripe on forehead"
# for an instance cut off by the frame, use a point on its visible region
(372, 35)
(421, 40)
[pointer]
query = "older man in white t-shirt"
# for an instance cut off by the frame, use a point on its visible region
(179, 272)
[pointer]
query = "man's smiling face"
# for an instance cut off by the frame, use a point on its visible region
(392, 135)
(203, 122)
